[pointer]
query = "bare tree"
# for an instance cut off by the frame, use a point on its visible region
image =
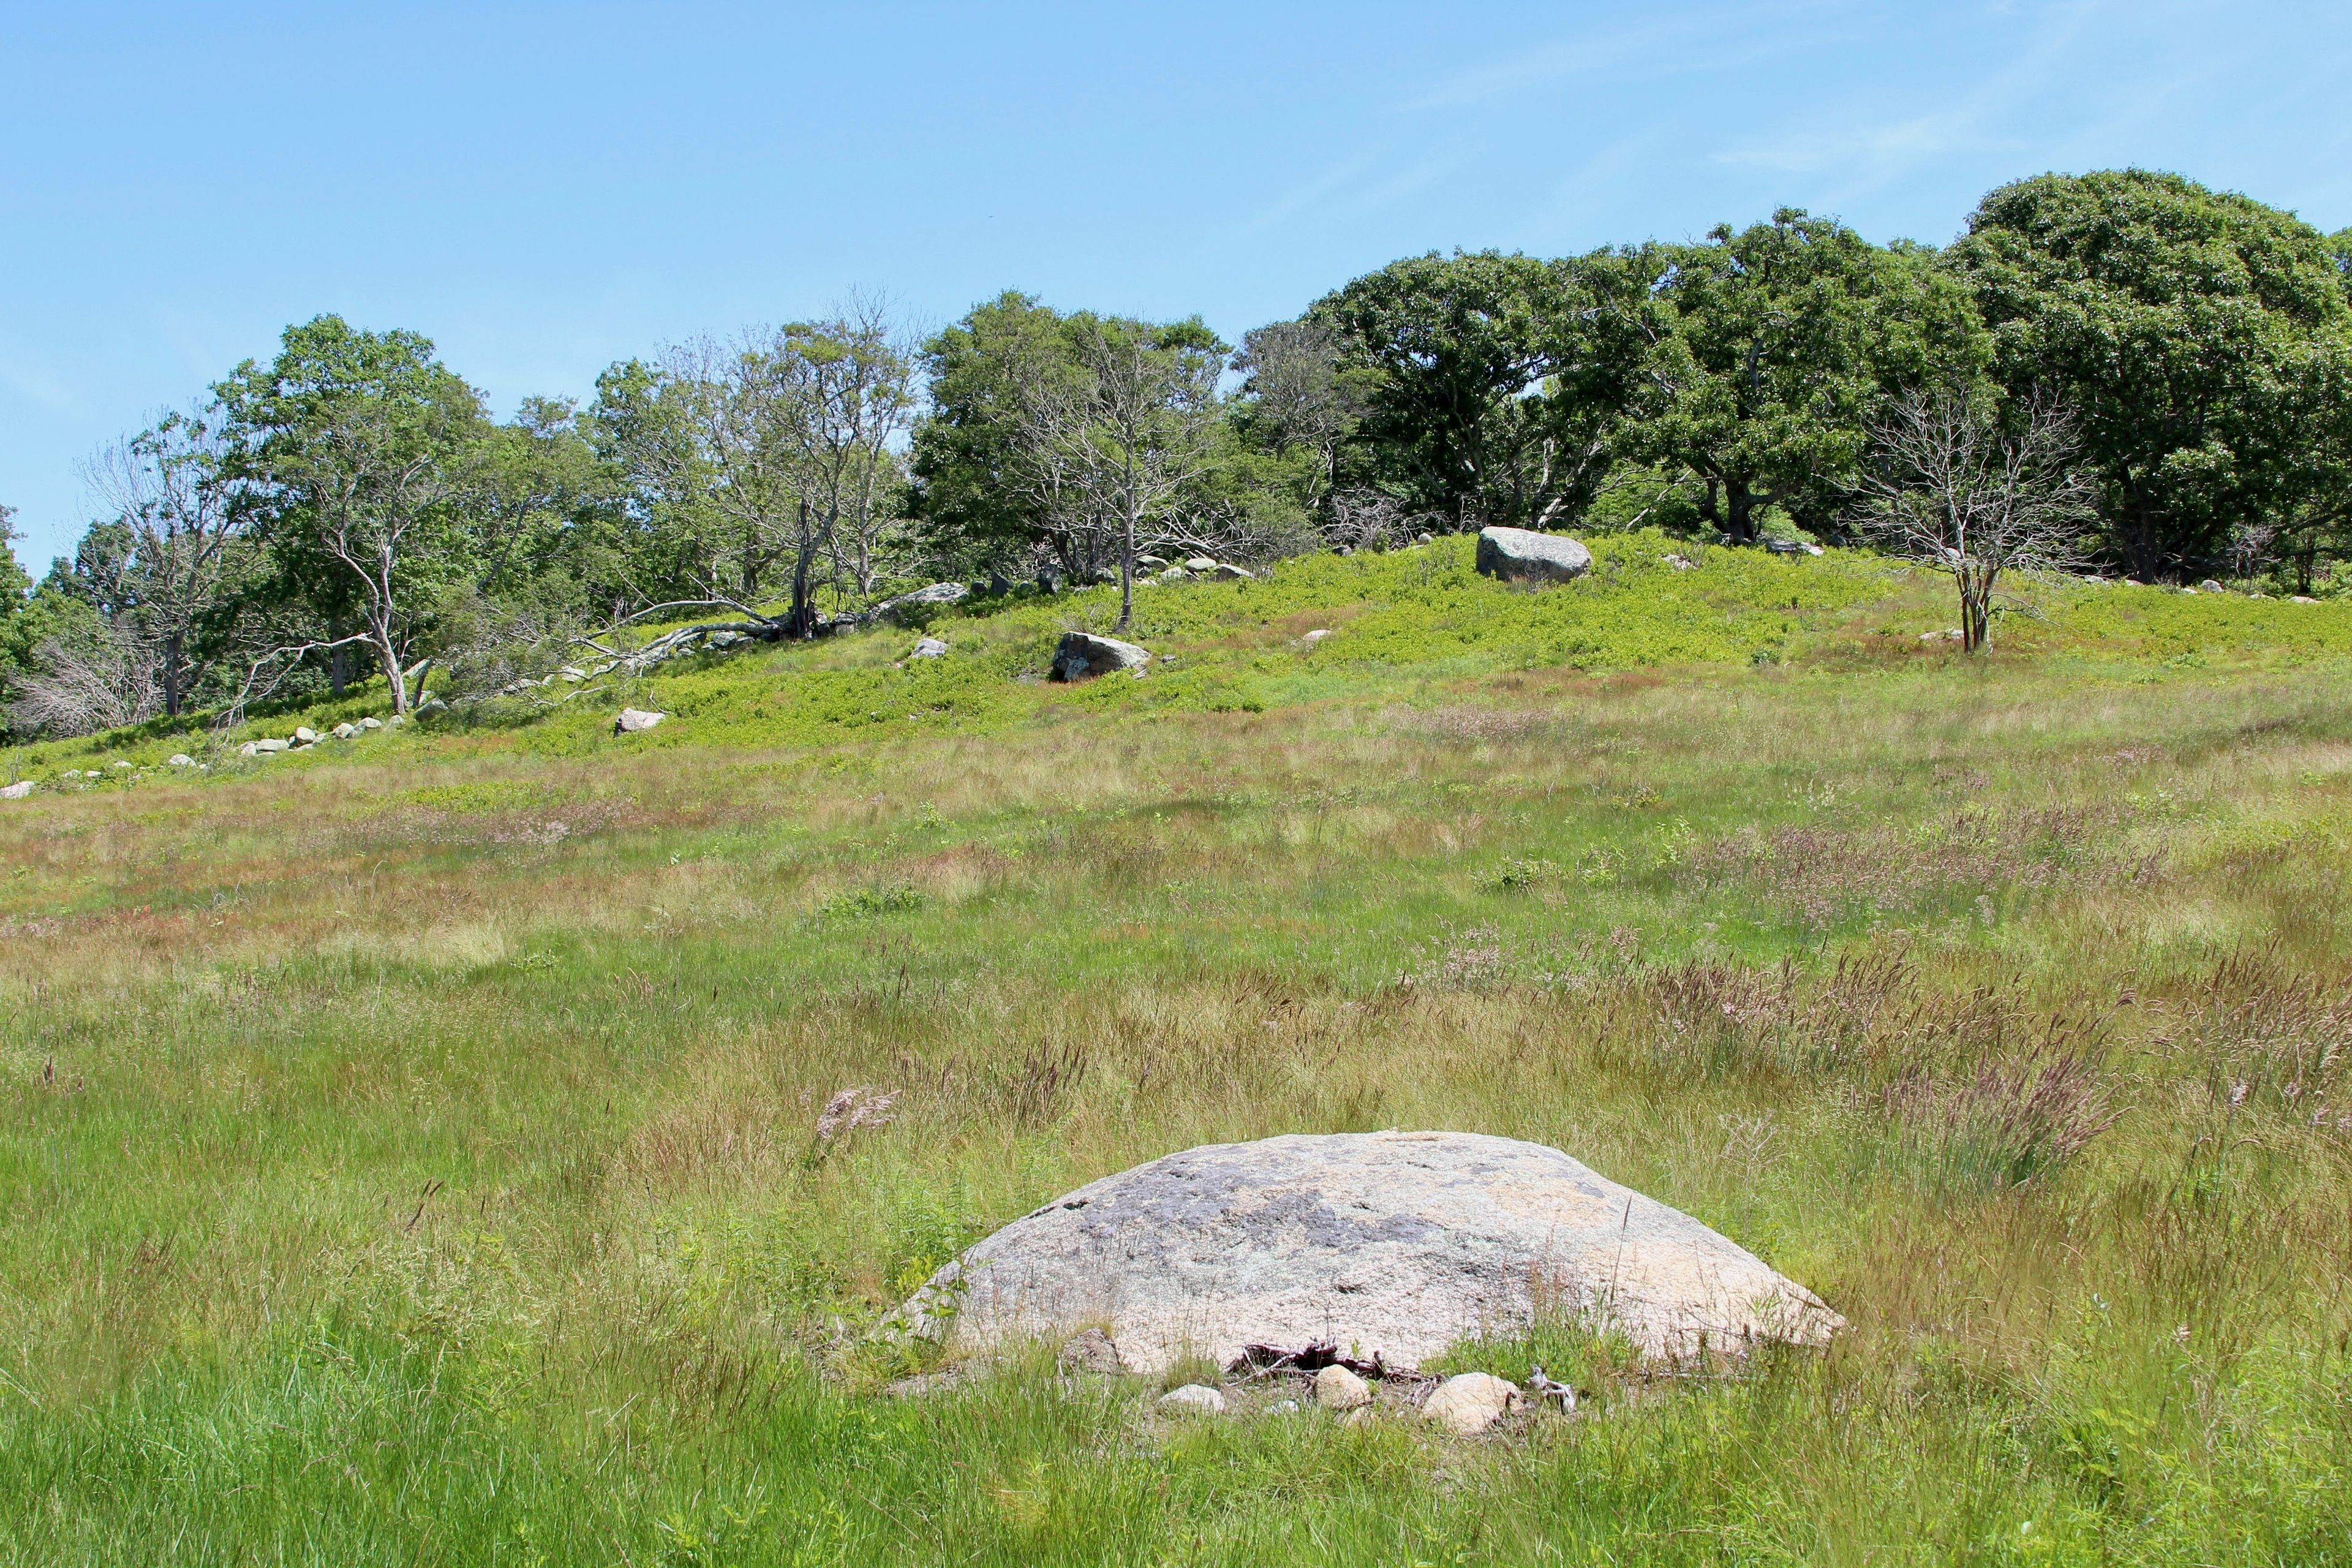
(858, 400)
(1294, 377)
(162, 565)
(1950, 484)
(1115, 446)
(776, 452)
(79, 687)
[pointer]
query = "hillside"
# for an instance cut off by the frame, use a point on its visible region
(409, 1145)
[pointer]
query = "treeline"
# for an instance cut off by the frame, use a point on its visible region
(350, 508)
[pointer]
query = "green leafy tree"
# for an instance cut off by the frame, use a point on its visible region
(354, 447)
(1774, 347)
(2197, 338)
(1492, 385)
(973, 501)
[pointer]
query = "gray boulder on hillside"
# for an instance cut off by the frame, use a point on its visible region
(936, 594)
(1389, 1244)
(1082, 655)
(636, 721)
(1517, 554)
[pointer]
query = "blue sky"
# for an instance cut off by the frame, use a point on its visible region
(543, 189)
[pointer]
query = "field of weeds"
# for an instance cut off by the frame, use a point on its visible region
(409, 1151)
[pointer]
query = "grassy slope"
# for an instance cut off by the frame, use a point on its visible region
(405, 1147)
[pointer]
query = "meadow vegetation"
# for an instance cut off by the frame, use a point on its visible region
(408, 1146)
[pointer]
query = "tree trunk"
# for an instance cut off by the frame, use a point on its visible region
(394, 677)
(1741, 522)
(1127, 570)
(175, 677)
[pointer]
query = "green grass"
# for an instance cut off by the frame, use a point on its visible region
(406, 1147)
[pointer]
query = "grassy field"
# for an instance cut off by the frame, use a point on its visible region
(407, 1151)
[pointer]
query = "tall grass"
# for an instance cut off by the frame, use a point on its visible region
(412, 1153)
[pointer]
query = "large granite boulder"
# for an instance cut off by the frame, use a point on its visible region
(920, 599)
(1515, 554)
(1082, 655)
(1385, 1244)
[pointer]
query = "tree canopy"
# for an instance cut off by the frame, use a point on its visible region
(2197, 337)
(351, 501)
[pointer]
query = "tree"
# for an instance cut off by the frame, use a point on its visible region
(1299, 392)
(1492, 384)
(2192, 333)
(1075, 440)
(858, 400)
(976, 501)
(1119, 445)
(778, 450)
(1771, 353)
(352, 445)
(165, 567)
(1948, 485)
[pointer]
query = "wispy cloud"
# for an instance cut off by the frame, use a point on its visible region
(1873, 147)
(37, 384)
(1701, 39)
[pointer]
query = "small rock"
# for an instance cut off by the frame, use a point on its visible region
(929, 648)
(1337, 1388)
(1193, 1399)
(1102, 576)
(718, 639)
(1229, 573)
(1152, 563)
(1512, 553)
(1093, 1352)
(1469, 1405)
(305, 736)
(1200, 564)
(1082, 654)
(635, 721)
(431, 705)
(1173, 574)
(1680, 563)
(1317, 635)
(345, 731)
(1425, 539)
(118, 763)
(180, 760)
(265, 747)
(2211, 587)
(370, 723)
(17, 791)
(2301, 599)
